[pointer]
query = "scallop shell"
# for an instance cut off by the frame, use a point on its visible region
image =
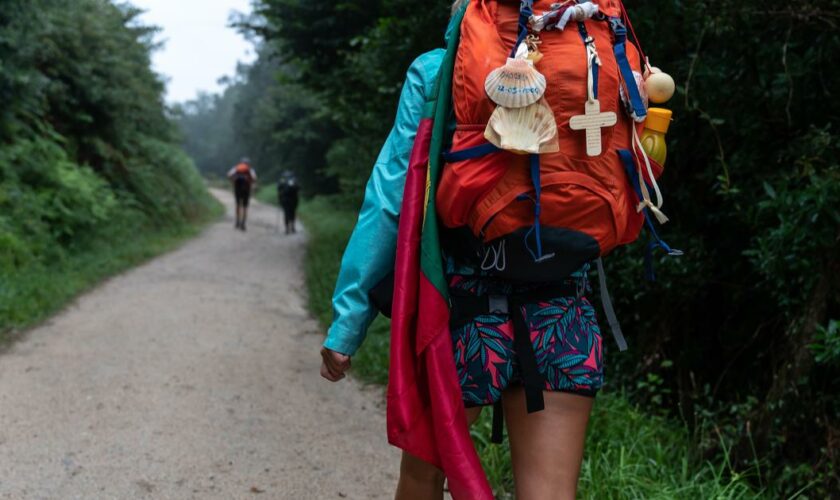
(526, 130)
(516, 84)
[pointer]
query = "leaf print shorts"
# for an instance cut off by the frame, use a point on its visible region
(564, 333)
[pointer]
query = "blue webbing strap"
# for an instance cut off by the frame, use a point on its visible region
(526, 10)
(620, 49)
(525, 13)
(657, 242)
(534, 161)
(483, 149)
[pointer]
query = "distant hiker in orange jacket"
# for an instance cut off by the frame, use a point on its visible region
(243, 177)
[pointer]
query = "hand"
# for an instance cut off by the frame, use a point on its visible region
(334, 365)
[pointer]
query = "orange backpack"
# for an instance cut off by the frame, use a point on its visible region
(243, 171)
(541, 217)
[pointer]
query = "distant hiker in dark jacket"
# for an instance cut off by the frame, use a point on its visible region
(243, 177)
(287, 196)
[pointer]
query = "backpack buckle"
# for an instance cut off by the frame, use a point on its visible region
(581, 287)
(497, 304)
(618, 29)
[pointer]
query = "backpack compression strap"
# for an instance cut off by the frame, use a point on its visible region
(526, 10)
(656, 242)
(620, 50)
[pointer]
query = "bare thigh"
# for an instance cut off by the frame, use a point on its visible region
(547, 446)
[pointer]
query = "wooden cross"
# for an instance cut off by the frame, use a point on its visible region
(592, 121)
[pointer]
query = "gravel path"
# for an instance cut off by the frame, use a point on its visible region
(193, 376)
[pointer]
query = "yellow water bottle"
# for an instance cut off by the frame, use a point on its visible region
(653, 136)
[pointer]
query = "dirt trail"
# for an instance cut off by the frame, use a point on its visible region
(193, 376)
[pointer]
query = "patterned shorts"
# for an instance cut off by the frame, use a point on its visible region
(564, 334)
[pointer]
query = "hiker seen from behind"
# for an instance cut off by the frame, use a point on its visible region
(288, 197)
(515, 163)
(243, 177)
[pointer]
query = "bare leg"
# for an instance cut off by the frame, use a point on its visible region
(421, 480)
(547, 446)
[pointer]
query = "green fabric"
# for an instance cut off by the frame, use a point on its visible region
(429, 106)
(431, 261)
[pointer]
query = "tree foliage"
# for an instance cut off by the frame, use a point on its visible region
(739, 336)
(85, 142)
(265, 116)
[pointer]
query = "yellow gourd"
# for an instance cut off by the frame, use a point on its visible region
(653, 137)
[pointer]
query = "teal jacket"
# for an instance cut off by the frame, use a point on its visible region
(370, 253)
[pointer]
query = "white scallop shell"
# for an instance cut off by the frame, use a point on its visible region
(516, 84)
(530, 129)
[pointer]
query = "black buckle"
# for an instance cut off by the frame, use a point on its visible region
(497, 304)
(617, 27)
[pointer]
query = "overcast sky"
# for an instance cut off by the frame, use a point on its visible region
(199, 47)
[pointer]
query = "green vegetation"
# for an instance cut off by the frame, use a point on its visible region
(267, 194)
(735, 339)
(91, 177)
(629, 454)
(35, 292)
(245, 120)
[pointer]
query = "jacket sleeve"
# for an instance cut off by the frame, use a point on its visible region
(370, 253)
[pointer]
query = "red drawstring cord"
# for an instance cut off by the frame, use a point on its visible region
(635, 38)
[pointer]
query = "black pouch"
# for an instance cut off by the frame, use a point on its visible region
(382, 295)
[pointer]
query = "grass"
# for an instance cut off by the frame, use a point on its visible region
(266, 193)
(31, 294)
(629, 454)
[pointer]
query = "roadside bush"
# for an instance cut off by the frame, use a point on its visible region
(89, 163)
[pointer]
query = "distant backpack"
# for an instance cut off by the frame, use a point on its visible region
(242, 175)
(288, 194)
(540, 217)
